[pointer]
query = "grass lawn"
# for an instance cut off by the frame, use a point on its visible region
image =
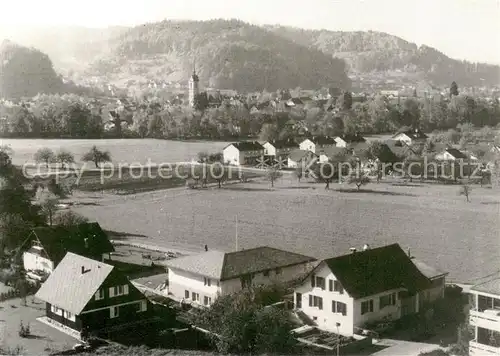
(44, 339)
(437, 224)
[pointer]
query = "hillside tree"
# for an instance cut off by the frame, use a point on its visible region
(453, 89)
(44, 155)
(69, 218)
(273, 174)
(97, 156)
(465, 190)
(64, 158)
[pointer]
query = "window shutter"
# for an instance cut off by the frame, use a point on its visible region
(333, 306)
(330, 285)
(371, 305)
(320, 302)
(125, 289)
(310, 300)
(111, 292)
(313, 280)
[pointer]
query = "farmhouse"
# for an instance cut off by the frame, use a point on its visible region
(484, 317)
(49, 245)
(316, 143)
(201, 278)
(279, 148)
(410, 137)
(243, 153)
(345, 140)
(349, 291)
(451, 154)
(300, 157)
(86, 295)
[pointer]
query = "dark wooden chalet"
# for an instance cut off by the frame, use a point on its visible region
(92, 297)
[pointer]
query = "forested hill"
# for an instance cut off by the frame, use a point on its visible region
(228, 54)
(371, 51)
(26, 72)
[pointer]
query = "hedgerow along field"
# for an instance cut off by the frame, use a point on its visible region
(437, 224)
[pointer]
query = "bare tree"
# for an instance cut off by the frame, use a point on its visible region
(273, 174)
(298, 173)
(465, 190)
(69, 218)
(359, 177)
(48, 202)
(65, 157)
(44, 155)
(97, 156)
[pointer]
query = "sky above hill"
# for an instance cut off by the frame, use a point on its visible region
(462, 29)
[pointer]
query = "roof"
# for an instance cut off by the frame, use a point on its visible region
(428, 271)
(322, 140)
(377, 270)
(456, 153)
(246, 146)
(297, 155)
(283, 143)
(491, 285)
(333, 151)
(57, 240)
(413, 134)
(229, 265)
(352, 138)
(69, 289)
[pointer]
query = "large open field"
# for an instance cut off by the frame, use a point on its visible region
(437, 224)
(126, 151)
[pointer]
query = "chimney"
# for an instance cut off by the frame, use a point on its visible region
(409, 253)
(353, 249)
(83, 270)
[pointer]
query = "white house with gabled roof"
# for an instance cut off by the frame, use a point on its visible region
(348, 292)
(200, 279)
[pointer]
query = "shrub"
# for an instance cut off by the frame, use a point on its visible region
(24, 331)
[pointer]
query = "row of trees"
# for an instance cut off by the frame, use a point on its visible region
(63, 157)
(73, 116)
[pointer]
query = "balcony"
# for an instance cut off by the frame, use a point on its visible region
(488, 319)
(476, 348)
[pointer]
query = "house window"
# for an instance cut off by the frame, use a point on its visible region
(337, 287)
(339, 307)
(142, 306)
(99, 294)
(367, 306)
(117, 291)
(207, 300)
(114, 312)
(320, 282)
(207, 281)
(387, 300)
(56, 310)
(186, 294)
(195, 297)
(315, 301)
(69, 316)
(266, 273)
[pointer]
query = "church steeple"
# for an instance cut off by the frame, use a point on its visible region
(193, 85)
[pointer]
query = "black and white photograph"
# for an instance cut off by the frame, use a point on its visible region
(250, 177)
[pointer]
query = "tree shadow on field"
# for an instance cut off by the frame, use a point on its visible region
(119, 235)
(246, 189)
(406, 185)
(295, 187)
(370, 191)
(490, 202)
